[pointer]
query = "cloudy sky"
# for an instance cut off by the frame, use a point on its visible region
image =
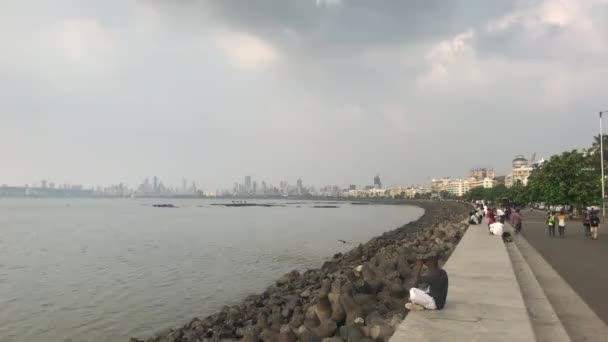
(333, 91)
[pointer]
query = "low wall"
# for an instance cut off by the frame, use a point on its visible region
(484, 298)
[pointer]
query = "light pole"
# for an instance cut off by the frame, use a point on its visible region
(602, 166)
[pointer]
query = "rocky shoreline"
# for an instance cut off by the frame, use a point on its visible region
(356, 296)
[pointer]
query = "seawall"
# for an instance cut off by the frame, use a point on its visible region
(359, 295)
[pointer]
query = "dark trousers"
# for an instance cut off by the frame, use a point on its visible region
(587, 231)
(562, 231)
(518, 228)
(551, 230)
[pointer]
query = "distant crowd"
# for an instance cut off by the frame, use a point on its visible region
(496, 218)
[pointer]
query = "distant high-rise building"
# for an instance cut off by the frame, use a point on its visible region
(43, 184)
(300, 185)
(377, 183)
(352, 187)
(155, 185)
(184, 185)
(255, 187)
(248, 183)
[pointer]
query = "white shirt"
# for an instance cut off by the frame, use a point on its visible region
(499, 212)
(496, 228)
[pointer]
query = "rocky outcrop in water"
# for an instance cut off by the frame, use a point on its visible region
(358, 296)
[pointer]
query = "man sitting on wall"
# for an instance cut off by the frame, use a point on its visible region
(474, 219)
(431, 290)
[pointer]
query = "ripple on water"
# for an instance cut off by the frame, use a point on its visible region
(109, 270)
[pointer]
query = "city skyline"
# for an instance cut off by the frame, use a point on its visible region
(155, 186)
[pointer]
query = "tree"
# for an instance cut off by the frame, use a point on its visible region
(568, 178)
(519, 194)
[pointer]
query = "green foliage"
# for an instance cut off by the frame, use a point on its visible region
(422, 196)
(519, 194)
(569, 178)
(447, 195)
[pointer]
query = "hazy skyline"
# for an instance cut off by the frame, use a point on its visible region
(332, 91)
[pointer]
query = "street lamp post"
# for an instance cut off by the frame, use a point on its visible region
(602, 166)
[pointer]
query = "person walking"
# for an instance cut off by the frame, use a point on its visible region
(551, 224)
(561, 222)
(516, 221)
(587, 223)
(595, 223)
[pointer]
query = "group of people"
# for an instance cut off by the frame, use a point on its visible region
(591, 223)
(431, 288)
(496, 218)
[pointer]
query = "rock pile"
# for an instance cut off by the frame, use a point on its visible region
(357, 296)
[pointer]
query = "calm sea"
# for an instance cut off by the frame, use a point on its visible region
(105, 270)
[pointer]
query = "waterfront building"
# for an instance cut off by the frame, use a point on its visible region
(519, 161)
(439, 185)
(520, 172)
(482, 173)
(486, 183)
(458, 187)
(412, 191)
(397, 191)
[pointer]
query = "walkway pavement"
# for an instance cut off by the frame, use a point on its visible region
(582, 263)
(484, 299)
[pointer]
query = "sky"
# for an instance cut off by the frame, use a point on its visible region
(332, 91)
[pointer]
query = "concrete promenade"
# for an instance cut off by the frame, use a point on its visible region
(582, 263)
(484, 298)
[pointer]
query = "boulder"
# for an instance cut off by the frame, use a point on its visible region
(309, 337)
(323, 308)
(327, 328)
(250, 334)
(262, 321)
(333, 339)
(374, 318)
(381, 332)
(351, 333)
(288, 278)
(286, 334)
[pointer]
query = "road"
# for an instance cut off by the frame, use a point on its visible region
(580, 262)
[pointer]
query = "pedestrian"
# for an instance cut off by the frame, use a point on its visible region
(516, 221)
(551, 224)
(561, 222)
(587, 223)
(595, 223)
(491, 218)
(500, 214)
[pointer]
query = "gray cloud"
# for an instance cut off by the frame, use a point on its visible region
(334, 93)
